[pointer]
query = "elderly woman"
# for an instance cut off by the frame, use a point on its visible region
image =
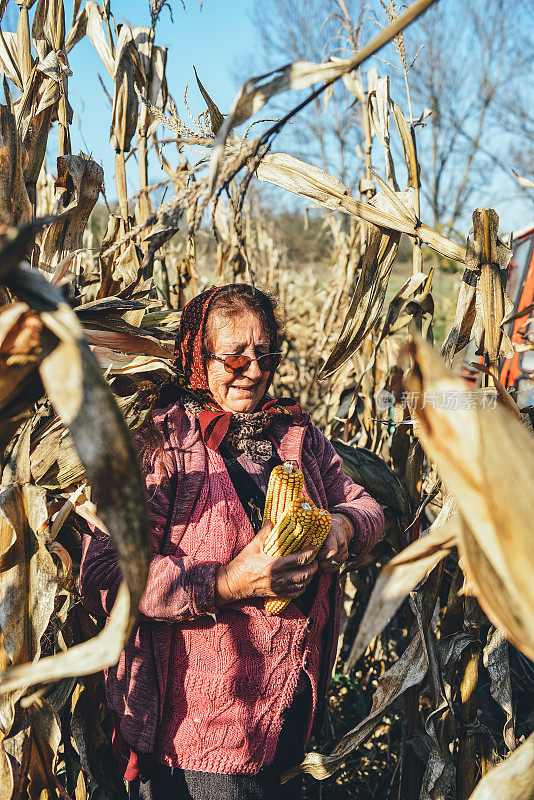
(211, 697)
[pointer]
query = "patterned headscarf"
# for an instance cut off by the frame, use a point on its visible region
(245, 433)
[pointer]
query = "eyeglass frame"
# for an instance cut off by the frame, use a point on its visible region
(234, 371)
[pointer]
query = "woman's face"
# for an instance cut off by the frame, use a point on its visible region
(245, 334)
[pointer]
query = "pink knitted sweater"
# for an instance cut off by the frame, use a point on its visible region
(202, 687)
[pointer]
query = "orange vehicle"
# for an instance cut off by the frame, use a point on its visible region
(517, 372)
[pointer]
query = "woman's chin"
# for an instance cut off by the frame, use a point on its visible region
(242, 407)
(242, 403)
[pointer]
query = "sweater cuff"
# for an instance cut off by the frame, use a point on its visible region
(202, 579)
(368, 529)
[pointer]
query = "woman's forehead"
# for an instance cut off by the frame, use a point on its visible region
(238, 328)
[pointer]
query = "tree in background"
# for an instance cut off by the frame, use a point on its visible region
(312, 30)
(473, 56)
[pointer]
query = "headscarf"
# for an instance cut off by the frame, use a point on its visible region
(245, 433)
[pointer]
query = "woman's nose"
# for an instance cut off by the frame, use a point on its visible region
(253, 372)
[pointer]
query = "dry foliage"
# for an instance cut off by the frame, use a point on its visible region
(86, 339)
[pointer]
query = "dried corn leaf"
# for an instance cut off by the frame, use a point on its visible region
(14, 767)
(161, 318)
(126, 364)
(498, 666)
(127, 343)
(408, 671)
(110, 308)
(87, 511)
(45, 735)
(91, 741)
(127, 265)
(459, 335)
(401, 575)
(503, 396)
(63, 266)
(90, 23)
(368, 298)
(408, 145)
(78, 186)
(78, 391)
(300, 75)
(28, 581)
(48, 27)
(440, 725)
(44, 97)
(125, 100)
(20, 353)
(9, 59)
(353, 83)
(15, 208)
(482, 301)
(20, 332)
(379, 104)
(513, 779)
(521, 313)
(28, 587)
(301, 178)
(486, 459)
(399, 302)
(313, 183)
(524, 181)
(154, 66)
(55, 463)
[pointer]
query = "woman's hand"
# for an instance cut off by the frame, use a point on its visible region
(335, 547)
(252, 573)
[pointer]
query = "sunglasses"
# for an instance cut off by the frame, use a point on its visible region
(235, 362)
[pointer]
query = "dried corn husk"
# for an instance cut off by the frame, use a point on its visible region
(486, 459)
(482, 300)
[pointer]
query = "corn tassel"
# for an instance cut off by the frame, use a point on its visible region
(285, 486)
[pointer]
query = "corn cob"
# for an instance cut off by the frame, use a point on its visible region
(274, 605)
(314, 532)
(285, 485)
(292, 529)
(319, 531)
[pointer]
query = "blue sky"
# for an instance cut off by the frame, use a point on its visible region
(211, 40)
(215, 40)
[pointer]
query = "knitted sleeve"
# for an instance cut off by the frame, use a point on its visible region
(346, 497)
(178, 588)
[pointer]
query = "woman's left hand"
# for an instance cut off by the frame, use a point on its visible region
(335, 548)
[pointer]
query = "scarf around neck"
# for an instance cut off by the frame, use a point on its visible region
(245, 433)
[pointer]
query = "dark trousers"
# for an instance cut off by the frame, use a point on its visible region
(183, 784)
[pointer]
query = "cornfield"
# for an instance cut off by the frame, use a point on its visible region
(434, 684)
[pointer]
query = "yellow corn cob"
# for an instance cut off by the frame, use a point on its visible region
(292, 529)
(274, 605)
(319, 531)
(315, 529)
(285, 485)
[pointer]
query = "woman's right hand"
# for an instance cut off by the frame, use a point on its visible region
(252, 573)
